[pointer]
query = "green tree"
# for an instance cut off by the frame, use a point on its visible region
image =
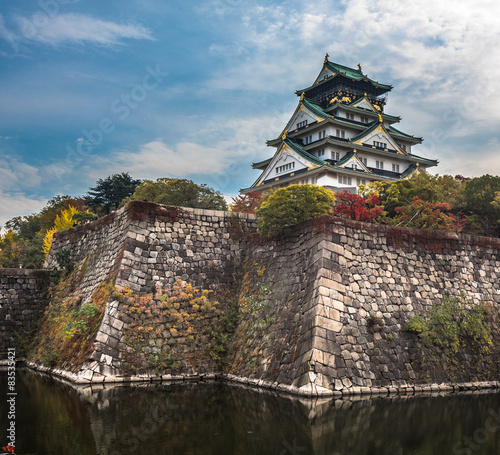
(179, 192)
(292, 205)
(108, 193)
(480, 195)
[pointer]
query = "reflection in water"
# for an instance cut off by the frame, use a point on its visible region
(199, 419)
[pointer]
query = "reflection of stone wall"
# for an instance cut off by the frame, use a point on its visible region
(22, 297)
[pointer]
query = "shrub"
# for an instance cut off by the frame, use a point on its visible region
(453, 323)
(356, 207)
(292, 205)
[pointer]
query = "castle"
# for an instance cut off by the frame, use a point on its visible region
(339, 137)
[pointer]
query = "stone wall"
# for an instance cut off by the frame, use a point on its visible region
(150, 245)
(333, 278)
(307, 301)
(146, 249)
(22, 298)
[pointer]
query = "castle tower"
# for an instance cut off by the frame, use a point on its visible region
(340, 137)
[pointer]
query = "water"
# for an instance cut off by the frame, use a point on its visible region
(213, 418)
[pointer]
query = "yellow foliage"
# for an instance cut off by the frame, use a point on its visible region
(62, 222)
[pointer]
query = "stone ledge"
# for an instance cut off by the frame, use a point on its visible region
(309, 390)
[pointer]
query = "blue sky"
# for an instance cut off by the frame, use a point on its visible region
(194, 89)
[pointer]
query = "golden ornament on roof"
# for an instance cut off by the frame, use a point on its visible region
(326, 58)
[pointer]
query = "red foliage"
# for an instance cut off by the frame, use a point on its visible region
(355, 207)
(246, 203)
(426, 215)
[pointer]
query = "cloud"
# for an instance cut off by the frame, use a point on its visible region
(18, 204)
(73, 29)
(219, 153)
(15, 178)
(15, 174)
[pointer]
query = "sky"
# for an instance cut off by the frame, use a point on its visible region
(194, 89)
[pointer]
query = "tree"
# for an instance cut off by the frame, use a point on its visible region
(429, 188)
(246, 203)
(179, 192)
(356, 207)
(426, 215)
(108, 193)
(63, 221)
(292, 205)
(480, 193)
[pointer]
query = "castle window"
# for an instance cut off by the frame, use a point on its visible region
(365, 161)
(285, 167)
(302, 124)
(382, 145)
(322, 134)
(365, 119)
(345, 180)
(403, 147)
(335, 156)
(395, 168)
(321, 152)
(349, 116)
(361, 182)
(340, 133)
(308, 140)
(379, 164)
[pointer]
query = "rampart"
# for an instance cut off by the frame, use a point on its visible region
(22, 298)
(321, 310)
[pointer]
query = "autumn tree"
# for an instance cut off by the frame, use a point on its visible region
(247, 202)
(356, 207)
(427, 215)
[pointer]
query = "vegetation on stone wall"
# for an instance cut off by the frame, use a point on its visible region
(176, 329)
(454, 326)
(69, 326)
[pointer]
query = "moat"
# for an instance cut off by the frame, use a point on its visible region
(214, 418)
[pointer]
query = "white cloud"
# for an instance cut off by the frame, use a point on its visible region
(18, 204)
(15, 177)
(77, 29)
(15, 174)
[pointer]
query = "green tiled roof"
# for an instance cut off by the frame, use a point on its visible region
(297, 148)
(315, 108)
(353, 74)
(345, 158)
(396, 132)
(350, 73)
(409, 171)
(365, 132)
(261, 164)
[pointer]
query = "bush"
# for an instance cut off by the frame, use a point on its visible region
(292, 205)
(453, 323)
